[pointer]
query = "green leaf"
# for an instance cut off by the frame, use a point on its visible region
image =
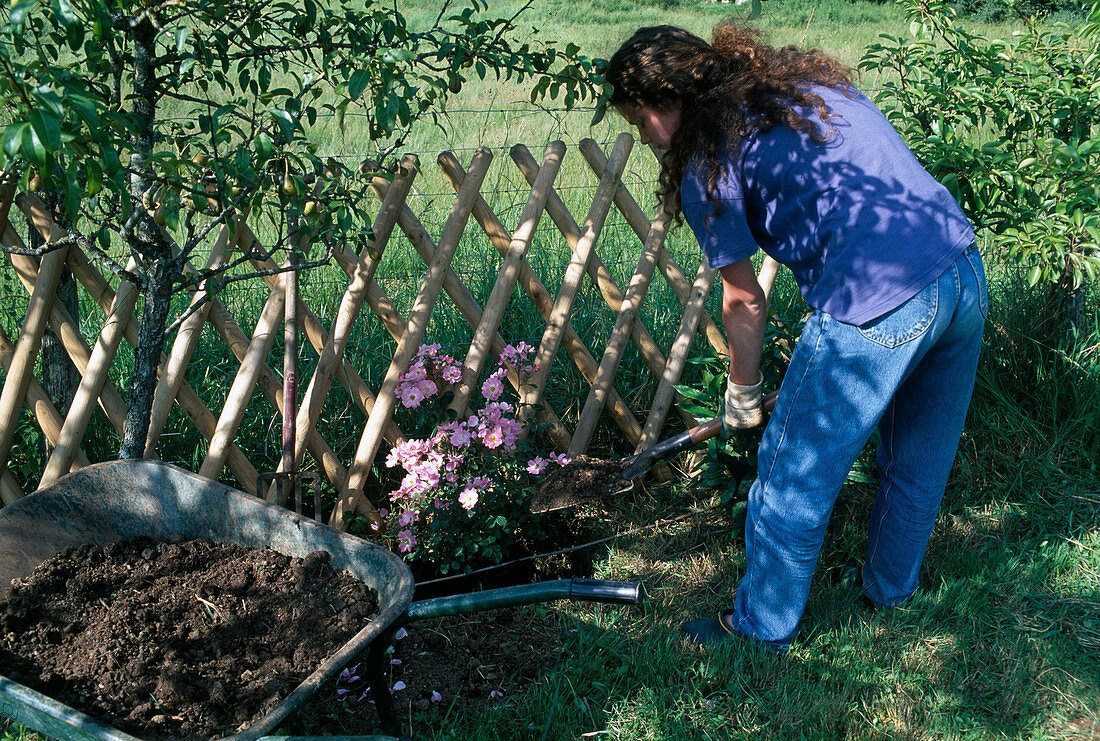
(284, 121)
(358, 82)
(264, 145)
(394, 56)
(182, 35)
(63, 10)
(94, 174)
(33, 148)
(48, 129)
(13, 138)
(691, 392)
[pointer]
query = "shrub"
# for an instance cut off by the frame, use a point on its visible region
(464, 495)
(1012, 128)
(998, 10)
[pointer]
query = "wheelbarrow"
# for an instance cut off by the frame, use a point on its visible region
(119, 500)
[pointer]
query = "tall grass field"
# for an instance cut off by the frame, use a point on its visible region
(1002, 641)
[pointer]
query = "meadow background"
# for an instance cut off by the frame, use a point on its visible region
(1003, 640)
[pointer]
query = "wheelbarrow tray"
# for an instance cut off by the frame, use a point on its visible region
(119, 500)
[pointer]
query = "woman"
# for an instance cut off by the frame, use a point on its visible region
(774, 149)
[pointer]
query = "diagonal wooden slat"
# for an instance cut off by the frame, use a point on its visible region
(10, 492)
(600, 276)
(694, 310)
(271, 386)
(507, 276)
(18, 377)
(575, 271)
(100, 291)
(240, 391)
(540, 297)
(66, 329)
(318, 337)
(332, 353)
(620, 333)
(187, 339)
(463, 299)
(413, 335)
(91, 383)
(639, 222)
(49, 419)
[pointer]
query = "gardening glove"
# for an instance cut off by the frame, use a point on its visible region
(742, 407)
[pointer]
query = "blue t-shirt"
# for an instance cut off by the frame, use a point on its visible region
(857, 219)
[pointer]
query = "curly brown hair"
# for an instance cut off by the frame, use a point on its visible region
(725, 90)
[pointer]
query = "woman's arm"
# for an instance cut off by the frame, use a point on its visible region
(744, 315)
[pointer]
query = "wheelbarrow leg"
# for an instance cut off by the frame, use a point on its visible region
(378, 670)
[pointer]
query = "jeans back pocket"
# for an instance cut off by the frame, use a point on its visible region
(906, 322)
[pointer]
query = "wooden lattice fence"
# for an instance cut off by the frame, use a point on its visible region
(93, 356)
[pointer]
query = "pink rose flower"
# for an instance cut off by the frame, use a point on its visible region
(461, 437)
(468, 498)
(405, 541)
(411, 396)
(537, 465)
(416, 373)
(492, 437)
(492, 388)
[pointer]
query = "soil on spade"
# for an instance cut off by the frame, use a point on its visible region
(583, 480)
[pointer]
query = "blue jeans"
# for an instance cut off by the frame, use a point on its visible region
(909, 372)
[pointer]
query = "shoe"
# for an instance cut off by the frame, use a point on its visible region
(851, 577)
(710, 631)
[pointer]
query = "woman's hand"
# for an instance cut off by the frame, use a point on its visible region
(742, 407)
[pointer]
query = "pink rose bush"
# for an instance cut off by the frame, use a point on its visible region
(461, 491)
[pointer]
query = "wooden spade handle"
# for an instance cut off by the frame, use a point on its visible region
(642, 462)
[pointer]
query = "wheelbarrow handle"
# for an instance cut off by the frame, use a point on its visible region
(587, 590)
(604, 590)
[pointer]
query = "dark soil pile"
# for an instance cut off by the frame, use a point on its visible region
(584, 479)
(189, 639)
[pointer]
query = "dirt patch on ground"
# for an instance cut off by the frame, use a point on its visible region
(585, 479)
(177, 640)
(441, 670)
